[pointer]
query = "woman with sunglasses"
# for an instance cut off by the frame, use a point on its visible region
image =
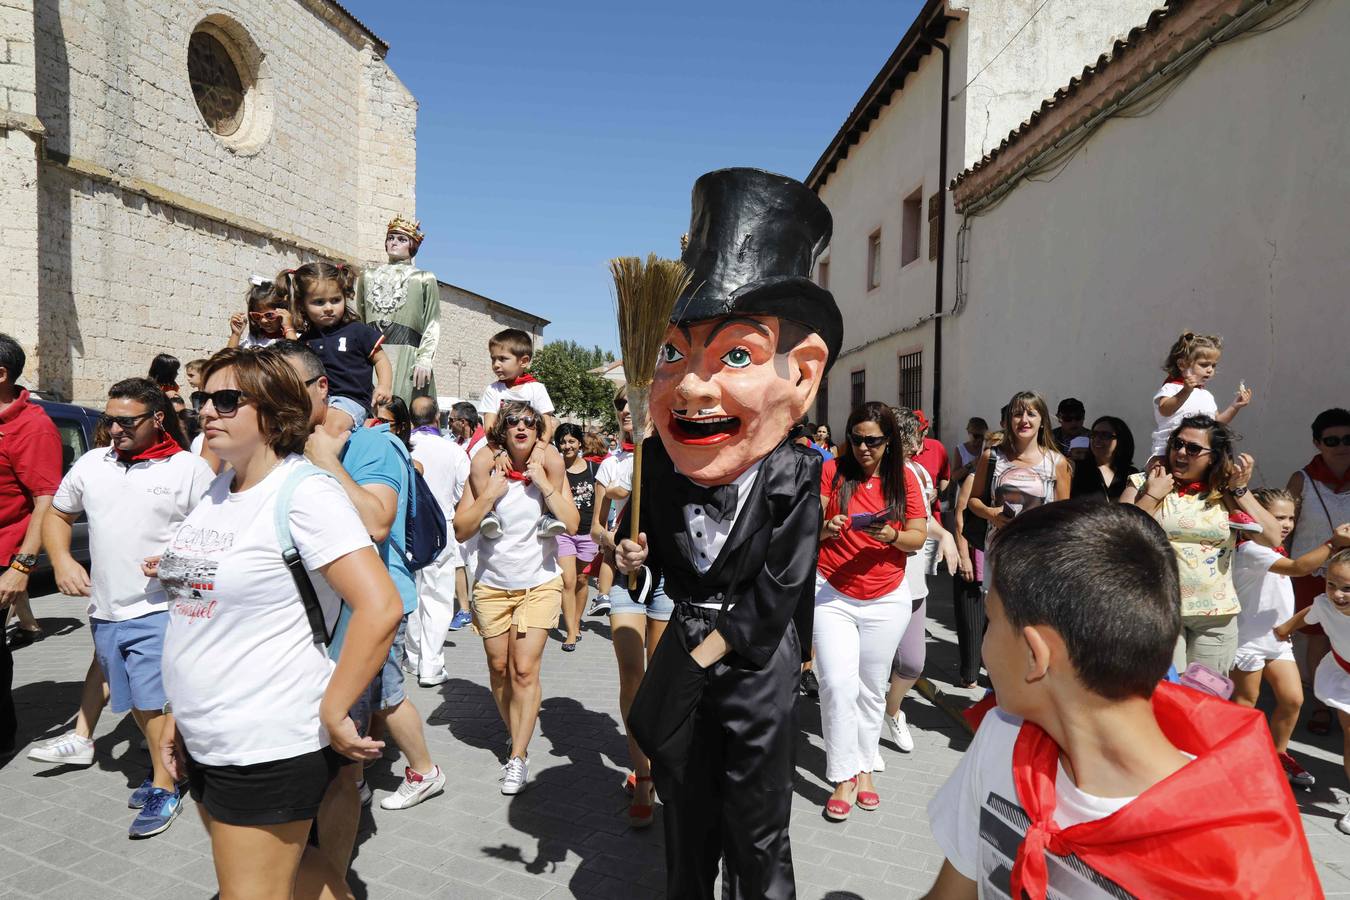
(517, 592)
(259, 723)
(875, 515)
(1191, 492)
(1107, 473)
(576, 551)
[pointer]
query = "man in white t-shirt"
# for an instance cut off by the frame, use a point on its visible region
(445, 466)
(135, 493)
(467, 429)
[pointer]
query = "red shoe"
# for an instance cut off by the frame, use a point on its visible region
(640, 815)
(1297, 775)
(868, 800)
(839, 810)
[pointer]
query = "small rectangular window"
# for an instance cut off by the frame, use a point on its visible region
(911, 379)
(910, 225)
(823, 274)
(935, 202)
(858, 385)
(874, 260)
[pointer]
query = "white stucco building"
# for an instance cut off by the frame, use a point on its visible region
(1172, 187)
(964, 74)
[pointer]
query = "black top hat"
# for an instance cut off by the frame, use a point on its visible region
(753, 237)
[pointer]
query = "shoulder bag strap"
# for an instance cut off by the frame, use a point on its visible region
(281, 520)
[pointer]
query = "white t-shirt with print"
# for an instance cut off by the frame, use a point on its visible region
(240, 664)
(133, 511)
(1200, 403)
(1267, 598)
(531, 392)
(616, 470)
(977, 821)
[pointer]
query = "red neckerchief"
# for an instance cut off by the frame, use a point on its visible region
(597, 459)
(1175, 840)
(474, 438)
(523, 378)
(516, 475)
(1174, 381)
(1318, 470)
(1194, 487)
(628, 446)
(163, 450)
(170, 388)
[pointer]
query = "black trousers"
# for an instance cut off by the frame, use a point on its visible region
(734, 799)
(9, 723)
(970, 623)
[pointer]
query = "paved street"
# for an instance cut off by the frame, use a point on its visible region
(64, 830)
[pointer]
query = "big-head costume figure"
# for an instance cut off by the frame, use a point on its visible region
(730, 520)
(404, 302)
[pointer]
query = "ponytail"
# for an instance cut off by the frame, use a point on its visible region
(295, 283)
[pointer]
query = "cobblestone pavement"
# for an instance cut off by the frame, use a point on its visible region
(63, 830)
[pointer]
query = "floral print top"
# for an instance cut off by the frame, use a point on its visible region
(1199, 533)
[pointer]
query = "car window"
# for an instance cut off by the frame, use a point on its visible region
(73, 443)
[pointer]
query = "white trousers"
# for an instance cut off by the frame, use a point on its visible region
(429, 623)
(855, 643)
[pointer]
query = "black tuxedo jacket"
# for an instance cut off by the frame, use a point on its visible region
(768, 564)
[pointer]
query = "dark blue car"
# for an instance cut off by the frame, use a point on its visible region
(76, 426)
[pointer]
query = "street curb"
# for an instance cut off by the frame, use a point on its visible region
(943, 702)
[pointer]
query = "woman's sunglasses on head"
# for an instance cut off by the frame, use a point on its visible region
(226, 402)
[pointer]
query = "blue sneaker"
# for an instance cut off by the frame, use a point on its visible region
(139, 796)
(161, 808)
(462, 617)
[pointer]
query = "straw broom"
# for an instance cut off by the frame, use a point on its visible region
(645, 294)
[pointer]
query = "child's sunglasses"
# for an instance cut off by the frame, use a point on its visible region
(527, 421)
(871, 441)
(226, 402)
(268, 316)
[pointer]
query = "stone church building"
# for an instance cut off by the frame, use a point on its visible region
(154, 155)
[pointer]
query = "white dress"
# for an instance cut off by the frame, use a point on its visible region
(1331, 684)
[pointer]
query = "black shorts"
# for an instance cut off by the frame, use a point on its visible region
(266, 793)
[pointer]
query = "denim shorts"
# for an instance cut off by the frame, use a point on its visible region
(351, 408)
(391, 675)
(130, 653)
(658, 607)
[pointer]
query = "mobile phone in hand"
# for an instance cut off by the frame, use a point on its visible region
(863, 521)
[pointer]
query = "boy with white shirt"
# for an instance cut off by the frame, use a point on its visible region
(1092, 779)
(135, 494)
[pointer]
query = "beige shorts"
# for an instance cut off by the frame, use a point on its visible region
(496, 610)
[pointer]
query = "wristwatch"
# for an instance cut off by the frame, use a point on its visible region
(1238, 493)
(23, 562)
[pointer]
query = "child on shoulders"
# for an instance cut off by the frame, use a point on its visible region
(1190, 365)
(320, 295)
(510, 351)
(1090, 778)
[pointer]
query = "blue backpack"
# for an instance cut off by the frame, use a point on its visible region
(425, 531)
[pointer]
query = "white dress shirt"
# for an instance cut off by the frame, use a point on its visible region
(707, 536)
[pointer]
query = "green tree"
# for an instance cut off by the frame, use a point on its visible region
(564, 368)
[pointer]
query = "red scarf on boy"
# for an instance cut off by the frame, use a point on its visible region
(1224, 825)
(522, 378)
(1320, 471)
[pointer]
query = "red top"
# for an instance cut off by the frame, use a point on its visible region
(933, 458)
(855, 563)
(30, 466)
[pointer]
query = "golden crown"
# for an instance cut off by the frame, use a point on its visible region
(403, 225)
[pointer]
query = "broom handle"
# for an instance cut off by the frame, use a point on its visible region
(635, 498)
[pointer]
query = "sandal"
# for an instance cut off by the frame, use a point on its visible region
(568, 648)
(640, 815)
(868, 800)
(839, 810)
(1320, 721)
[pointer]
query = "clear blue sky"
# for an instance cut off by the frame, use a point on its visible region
(553, 136)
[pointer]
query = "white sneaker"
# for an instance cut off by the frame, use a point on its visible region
(491, 526)
(599, 605)
(415, 788)
(878, 764)
(898, 729)
(1343, 824)
(68, 749)
(548, 527)
(516, 771)
(431, 681)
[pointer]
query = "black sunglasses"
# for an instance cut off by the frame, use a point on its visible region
(1334, 440)
(1190, 447)
(126, 423)
(527, 421)
(226, 402)
(871, 441)
(622, 403)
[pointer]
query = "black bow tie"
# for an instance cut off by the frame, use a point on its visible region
(718, 502)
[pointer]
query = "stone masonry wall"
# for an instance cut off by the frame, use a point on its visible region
(18, 171)
(388, 154)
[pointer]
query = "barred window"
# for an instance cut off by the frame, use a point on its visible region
(858, 383)
(911, 379)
